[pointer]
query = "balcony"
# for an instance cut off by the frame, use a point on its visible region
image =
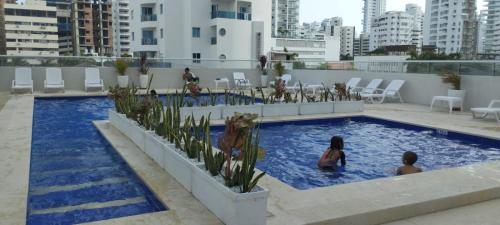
(245, 16)
(223, 14)
(150, 17)
(149, 41)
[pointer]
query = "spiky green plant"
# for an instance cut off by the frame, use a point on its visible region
(213, 160)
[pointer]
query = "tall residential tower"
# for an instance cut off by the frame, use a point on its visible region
(285, 18)
(492, 37)
(371, 10)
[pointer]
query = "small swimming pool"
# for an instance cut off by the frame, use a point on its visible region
(373, 148)
(75, 174)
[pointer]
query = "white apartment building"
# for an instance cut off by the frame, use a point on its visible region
(417, 36)
(312, 52)
(481, 31)
(121, 27)
(201, 29)
(492, 37)
(449, 25)
(332, 26)
(371, 10)
(347, 36)
(391, 28)
(285, 18)
(362, 45)
(31, 29)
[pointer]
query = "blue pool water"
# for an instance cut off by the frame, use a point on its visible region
(373, 149)
(76, 176)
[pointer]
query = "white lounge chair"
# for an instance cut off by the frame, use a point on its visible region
(93, 79)
(23, 80)
(240, 82)
(371, 88)
(452, 99)
(490, 110)
(286, 77)
(391, 91)
(53, 79)
(352, 84)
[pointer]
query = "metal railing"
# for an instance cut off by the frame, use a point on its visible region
(480, 68)
(149, 41)
(150, 17)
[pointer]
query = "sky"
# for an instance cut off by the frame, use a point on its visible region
(351, 11)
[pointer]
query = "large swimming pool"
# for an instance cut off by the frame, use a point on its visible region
(373, 148)
(75, 175)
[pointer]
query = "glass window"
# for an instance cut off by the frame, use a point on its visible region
(196, 32)
(161, 32)
(161, 8)
(196, 57)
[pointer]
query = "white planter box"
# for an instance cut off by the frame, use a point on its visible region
(143, 80)
(215, 112)
(155, 147)
(129, 128)
(280, 110)
(230, 207)
(228, 111)
(179, 167)
(316, 108)
(122, 81)
(348, 106)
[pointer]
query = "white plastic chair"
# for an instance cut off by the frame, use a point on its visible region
(490, 110)
(240, 82)
(352, 84)
(53, 79)
(93, 79)
(23, 80)
(391, 91)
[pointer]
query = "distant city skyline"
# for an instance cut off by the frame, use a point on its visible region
(350, 11)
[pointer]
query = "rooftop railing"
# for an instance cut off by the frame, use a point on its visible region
(467, 68)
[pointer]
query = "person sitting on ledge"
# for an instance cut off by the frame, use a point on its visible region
(153, 94)
(330, 157)
(189, 77)
(409, 158)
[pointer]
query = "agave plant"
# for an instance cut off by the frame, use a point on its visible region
(235, 132)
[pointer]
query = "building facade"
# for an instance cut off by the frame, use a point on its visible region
(492, 32)
(362, 45)
(3, 47)
(201, 29)
(395, 28)
(450, 26)
(92, 27)
(347, 35)
(31, 29)
(417, 34)
(121, 27)
(285, 18)
(371, 10)
(311, 52)
(64, 25)
(332, 26)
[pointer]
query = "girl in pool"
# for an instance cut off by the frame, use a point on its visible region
(329, 159)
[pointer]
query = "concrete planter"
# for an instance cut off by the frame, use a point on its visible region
(229, 111)
(155, 147)
(215, 112)
(123, 81)
(348, 106)
(143, 80)
(128, 127)
(316, 108)
(230, 207)
(179, 167)
(280, 110)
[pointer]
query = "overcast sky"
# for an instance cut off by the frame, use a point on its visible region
(349, 10)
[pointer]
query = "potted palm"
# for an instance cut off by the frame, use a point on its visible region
(264, 77)
(454, 80)
(121, 66)
(280, 69)
(143, 71)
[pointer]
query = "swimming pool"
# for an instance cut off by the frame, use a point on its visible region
(75, 174)
(373, 149)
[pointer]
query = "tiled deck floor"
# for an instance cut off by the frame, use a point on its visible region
(15, 133)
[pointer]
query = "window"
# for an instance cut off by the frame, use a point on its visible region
(222, 32)
(161, 8)
(133, 36)
(196, 32)
(196, 57)
(161, 33)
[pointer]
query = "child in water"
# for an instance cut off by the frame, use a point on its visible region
(409, 158)
(329, 159)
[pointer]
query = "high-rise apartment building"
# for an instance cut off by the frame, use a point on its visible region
(398, 28)
(31, 29)
(362, 45)
(64, 25)
(417, 35)
(331, 26)
(201, 29)
(481, 31)
(92, 30)
(121, 27)
(371, 10)
(450, 26)
(492, 33)
(347, 35)
(3, 48)
(285, 18)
